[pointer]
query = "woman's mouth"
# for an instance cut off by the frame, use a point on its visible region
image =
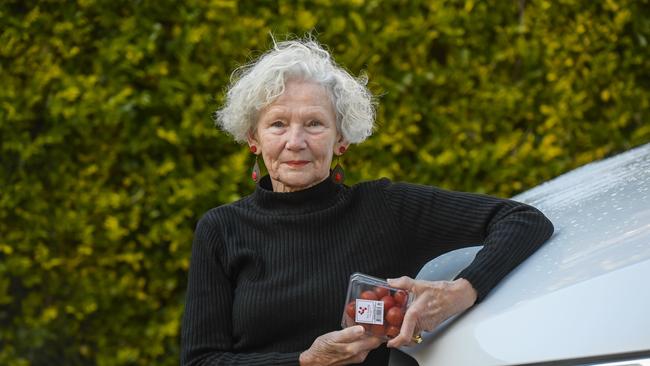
(297, 163)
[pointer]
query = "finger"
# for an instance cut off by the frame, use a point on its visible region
(362, 347)
(417, 332)
(403, 282)
(406, 332)
(354, 359)
(359, 358)
(349, 334)
(371, 342)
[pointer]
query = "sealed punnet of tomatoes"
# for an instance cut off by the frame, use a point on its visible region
(372, 303)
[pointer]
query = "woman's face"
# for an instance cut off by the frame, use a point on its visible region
(296, 136)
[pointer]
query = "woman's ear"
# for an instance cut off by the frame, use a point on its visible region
(341, 145)
(253, 142)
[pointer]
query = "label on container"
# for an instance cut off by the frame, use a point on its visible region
(369, 311)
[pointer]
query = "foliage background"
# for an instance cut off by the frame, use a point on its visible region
(109, 155)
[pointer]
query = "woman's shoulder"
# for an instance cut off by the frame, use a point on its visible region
(224, 211)
(388, 185)
(379, 183)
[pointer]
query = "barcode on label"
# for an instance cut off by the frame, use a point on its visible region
(379, 313)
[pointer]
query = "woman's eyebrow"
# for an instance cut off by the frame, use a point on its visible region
(311, 112)
(315, 111)
(274, 112)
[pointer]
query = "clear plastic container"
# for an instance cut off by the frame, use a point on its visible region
(372, 303)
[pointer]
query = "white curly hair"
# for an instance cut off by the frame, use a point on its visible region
(258, 84)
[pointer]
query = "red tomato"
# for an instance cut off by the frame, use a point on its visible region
(369, 295)
(392, 331)
(381, 291)
(349, 309)
(400, 297)
(394, 316)
(389, 302)
(377, 330)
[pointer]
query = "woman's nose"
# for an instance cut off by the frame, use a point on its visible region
(296, 138)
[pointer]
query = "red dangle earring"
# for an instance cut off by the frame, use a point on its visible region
(338, 175)
(255, 174)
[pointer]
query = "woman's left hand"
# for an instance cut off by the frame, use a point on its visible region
(435, 302)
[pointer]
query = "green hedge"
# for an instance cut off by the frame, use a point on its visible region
(109, 155)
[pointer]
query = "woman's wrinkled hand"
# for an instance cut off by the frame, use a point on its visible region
(435, 302)
(343, 347)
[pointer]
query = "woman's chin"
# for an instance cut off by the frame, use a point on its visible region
(297, 181)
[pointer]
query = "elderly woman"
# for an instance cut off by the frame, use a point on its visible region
(269, 273)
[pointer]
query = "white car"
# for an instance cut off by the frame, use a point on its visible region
(582, 299)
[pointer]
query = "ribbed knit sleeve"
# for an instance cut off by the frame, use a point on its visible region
(206, 337)
(508, 230)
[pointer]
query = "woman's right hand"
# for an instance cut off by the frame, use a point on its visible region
(342, 347)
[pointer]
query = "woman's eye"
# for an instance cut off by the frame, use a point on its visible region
(277, 124)
(314, 123)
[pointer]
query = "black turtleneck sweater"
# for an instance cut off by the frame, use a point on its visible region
(269, 273)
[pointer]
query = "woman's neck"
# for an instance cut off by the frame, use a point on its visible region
(280, 187)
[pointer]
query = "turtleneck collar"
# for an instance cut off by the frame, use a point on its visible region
(314, 198)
